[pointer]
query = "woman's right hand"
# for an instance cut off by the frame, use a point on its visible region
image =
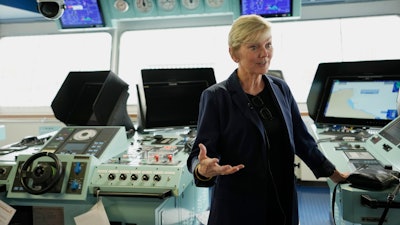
(209, 167)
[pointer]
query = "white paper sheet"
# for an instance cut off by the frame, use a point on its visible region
(96, 215)
(6, 212)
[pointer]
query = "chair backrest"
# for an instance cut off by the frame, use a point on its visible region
(276, 73)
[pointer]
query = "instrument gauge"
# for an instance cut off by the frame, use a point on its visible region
(214, 3)
(144, 5)
(190, 4)
(121, 5)
(167, 5)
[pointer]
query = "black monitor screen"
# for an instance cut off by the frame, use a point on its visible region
(267, 8)
(365, 101)
(95, 98)
(169, 98)
(82, 110)
(180, 108)
(82, 14)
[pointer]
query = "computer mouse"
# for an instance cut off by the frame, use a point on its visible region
(158, 137)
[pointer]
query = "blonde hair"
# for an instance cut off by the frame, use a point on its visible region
(247, 28)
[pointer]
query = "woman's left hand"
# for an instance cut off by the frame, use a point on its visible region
(338, 177)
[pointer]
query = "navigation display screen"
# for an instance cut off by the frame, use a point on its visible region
(82, 14)
(358, 94)
(268, 8)
(364, 99)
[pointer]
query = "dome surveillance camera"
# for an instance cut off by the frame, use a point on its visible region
(51, 9)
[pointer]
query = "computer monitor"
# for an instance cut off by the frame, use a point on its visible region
(283, 9)
(169, 98)
(82, 14)
(332, 73)
(95, 98)
(363, 101)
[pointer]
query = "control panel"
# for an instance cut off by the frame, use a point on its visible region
(6, 168)
(41, 178)
(63, 166)
(381, 149)
(64, 178)
(88, 141)
(156, 168)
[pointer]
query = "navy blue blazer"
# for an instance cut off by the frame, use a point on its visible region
(233, 132)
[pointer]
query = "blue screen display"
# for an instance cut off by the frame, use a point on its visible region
(353, 98)
(82, 14)
(267, 8)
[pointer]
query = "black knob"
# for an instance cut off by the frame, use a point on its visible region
(111, 176)
(145, 177)
(157, 177)
(134, 177)
(122, 177)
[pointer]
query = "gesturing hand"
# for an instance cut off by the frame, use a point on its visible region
(209, 167)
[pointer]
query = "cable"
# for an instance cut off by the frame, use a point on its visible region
(390, 199)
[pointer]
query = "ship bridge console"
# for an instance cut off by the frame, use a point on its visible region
(139, 180)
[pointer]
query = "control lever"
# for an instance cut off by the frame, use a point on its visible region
(366, 200)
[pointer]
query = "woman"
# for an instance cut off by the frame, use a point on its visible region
(248, 133)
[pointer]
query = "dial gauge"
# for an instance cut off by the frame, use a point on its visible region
(121, 5)
(144, 5)
(167, 4)
(84, 135)
(190, 4)
(214, 3)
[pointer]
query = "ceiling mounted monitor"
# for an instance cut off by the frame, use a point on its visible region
(82, 14)
(272, 9)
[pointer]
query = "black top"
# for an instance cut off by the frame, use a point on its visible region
(278, 152)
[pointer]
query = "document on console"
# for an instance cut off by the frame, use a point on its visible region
(6, 212)
(96, 215)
